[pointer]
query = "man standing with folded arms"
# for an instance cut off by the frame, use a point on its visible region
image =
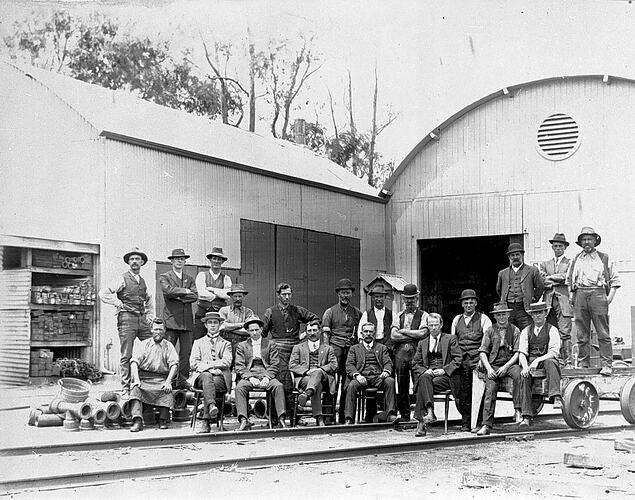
(212, 287)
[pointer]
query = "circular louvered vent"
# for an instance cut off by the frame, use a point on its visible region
(558, 137)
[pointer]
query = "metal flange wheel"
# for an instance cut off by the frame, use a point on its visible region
(627, 400)
(581, 404)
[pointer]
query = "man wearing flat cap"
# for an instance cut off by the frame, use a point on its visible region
(212, 286)
(408, 328)
(211, 360)
(593, 281)
(468, 328)
(135, 309)
(519, 285)
(234, 316)
(379, 315)
(257, 366)
(179, 291)
(554, 271)
(338, 325)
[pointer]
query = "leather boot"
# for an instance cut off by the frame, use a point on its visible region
(430, 417)
(422, 429)
(137, 425)
(319, 421)
(565, 353)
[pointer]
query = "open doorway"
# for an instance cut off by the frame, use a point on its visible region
(450, 265)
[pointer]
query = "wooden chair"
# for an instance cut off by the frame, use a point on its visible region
(446, 397)
(220, 404)
(329, 407)
(364, 395)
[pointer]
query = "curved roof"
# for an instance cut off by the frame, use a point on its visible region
(121, 116)
(434, 134)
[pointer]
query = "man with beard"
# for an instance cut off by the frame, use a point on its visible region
(368, 365)
(212, 289)
(315, 363)
(234, 317)
(179, 291)
(519, 285)
(338, 325)
(257, 366)
(378, 315)
(408, 328)
(211, 360)
(282, 326)
(134, 305)
(593, 281)
(554, 271)
(152, 371)
(468, 328)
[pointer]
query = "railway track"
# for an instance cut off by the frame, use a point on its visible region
(96, 474)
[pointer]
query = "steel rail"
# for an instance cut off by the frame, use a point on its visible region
(88, 478)
(221, 437)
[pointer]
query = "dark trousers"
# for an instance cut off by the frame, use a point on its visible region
(341, 353)
(552, 369)
(519, 316)
(315, 380)
(428, 385)
(592, 305)
(136, 410)
(385, 384)
(185, 339)
(491, 390)
(403, 366)
(211, 386)
(130, 326)
(557, 319)
(464, 402)
(242, 395)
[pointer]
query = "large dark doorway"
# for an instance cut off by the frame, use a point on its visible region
(450, 265)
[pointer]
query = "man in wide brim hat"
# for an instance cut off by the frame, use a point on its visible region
(237, 288)
(515, 247)
(138, 252)
(559, 238)
(212, 286)
(344, 284)
(410, 291)
(500, 307)
(178, 253)
(212, 315)
(217, 252)
(589, 231)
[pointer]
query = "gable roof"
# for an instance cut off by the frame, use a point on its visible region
(121, 116)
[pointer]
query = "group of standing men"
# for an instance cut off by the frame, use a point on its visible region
(376, 348)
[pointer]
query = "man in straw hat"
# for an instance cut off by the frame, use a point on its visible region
(211, 360)
(338, 326)
(519, 285)
(468, 328)
(135, 309)
(257, 366)
(554, 271)
(538, 347)
(498, 359)
(179, 291)
(212, 286)
(408, 328)
(593, 281)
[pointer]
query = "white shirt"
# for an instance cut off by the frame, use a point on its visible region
(369, 347)
(201, 285)
(433, 343)
(256, 347)
(516, 268)
(314, 345)
(179, 275)
(379, 329)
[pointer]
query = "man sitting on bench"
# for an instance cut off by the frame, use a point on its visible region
(499, 358)
(539, 345)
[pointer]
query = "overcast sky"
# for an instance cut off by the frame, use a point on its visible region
(433, 58)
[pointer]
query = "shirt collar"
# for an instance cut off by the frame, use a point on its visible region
(314, 345)
(369, 346)
(383, 309)
(283, 308)
(516, 269)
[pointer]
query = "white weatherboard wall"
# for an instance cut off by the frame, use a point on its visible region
(485, 176)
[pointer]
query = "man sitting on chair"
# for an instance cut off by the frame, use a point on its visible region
(368, 365)
(315, 363)
(257, 366)
(435, 366)
(210, 360)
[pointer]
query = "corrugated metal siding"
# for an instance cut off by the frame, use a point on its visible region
(15, 326)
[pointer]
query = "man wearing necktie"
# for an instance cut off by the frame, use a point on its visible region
(210, 360)
(554, 271)
(435, 366)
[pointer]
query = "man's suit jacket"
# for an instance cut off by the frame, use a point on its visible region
(559, 290)
(356, 359)
(531, 284)
(327, 362)
(450, 354)
(177, 312)
(223, 351)
(245, 359)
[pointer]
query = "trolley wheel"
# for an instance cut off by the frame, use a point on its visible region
(537, 402)
(581, 404)
(627, 400)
